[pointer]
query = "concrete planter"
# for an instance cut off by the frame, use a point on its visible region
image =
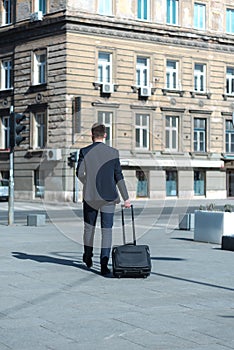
(186, 222)
(210, 226)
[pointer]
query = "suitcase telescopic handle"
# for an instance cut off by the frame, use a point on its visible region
(133, 225)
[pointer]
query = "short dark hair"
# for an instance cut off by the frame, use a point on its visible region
(98, 130)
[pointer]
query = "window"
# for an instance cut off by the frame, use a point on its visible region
(104, 67)
(230, 21)
(199, 182)
(40, 61)
(40, 130)
(7, 12)
(143, 9)
(40, 5)
(200, 77)
(230, 183)
(172, 132)
(172, 75)
(39, 183)
(142, 71)
(142, 131)
(105, 7)
(5, 132)
(106, 118)
(229, 139)
(142, 183)
(172, 11)
(171, 183)
(230, 81)
(199, 16)
(199, 138)
(6, 74)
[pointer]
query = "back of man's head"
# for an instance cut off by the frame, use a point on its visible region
(98, 131)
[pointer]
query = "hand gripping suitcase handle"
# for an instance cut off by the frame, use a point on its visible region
(133, 225)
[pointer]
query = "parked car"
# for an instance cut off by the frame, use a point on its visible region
(4, 189)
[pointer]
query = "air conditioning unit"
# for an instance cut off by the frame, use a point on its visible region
(145, 91)
(107, 88)
(54, 154)
(36, 16)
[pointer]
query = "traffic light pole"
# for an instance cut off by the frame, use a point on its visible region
(11, 188)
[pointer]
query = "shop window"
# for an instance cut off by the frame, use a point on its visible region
(39, 184)
(171, 183)
(142, 184)
(199, 183)
(230, 183)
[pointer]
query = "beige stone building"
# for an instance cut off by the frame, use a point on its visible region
(158, 73)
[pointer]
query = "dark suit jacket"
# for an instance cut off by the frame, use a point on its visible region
(99, 170)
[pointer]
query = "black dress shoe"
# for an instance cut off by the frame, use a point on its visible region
(87, 260)
(104, 269)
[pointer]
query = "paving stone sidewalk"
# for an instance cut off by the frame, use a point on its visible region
(50, 301)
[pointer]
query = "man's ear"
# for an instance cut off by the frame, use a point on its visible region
(105, 135)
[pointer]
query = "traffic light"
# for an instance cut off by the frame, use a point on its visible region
(16, 129)
(72, 159)
(19, 128)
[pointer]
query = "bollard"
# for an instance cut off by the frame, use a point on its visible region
(36, 220)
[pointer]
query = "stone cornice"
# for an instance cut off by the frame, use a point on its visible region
(91, 24)
(200, 111)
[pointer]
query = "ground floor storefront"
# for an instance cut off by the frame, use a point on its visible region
(42, 175)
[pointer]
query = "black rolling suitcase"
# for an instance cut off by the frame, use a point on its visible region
(131, 260)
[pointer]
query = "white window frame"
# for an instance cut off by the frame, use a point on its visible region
(230, 20)
(6, 12)
(172, 133)
(143, 10)
(40, 5)
(230, 81)
(105, 7)
(199, 77)
(106, 118)
(142, 71)
(201, 134)
(199, 16)
(142, 131)
(173, 12)
(6, 74)
(39, 130)
(172, 75)
(40, 68)
(229, 137)
(5, 132)
(104, 67)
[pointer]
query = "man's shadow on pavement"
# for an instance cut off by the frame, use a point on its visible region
(53, 260)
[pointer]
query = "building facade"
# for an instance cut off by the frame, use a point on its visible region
(159, 74)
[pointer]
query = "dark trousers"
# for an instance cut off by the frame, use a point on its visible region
(90, 213)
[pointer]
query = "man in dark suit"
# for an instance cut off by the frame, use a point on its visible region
(100, 172)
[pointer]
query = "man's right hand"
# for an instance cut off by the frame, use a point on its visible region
(127, 203)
